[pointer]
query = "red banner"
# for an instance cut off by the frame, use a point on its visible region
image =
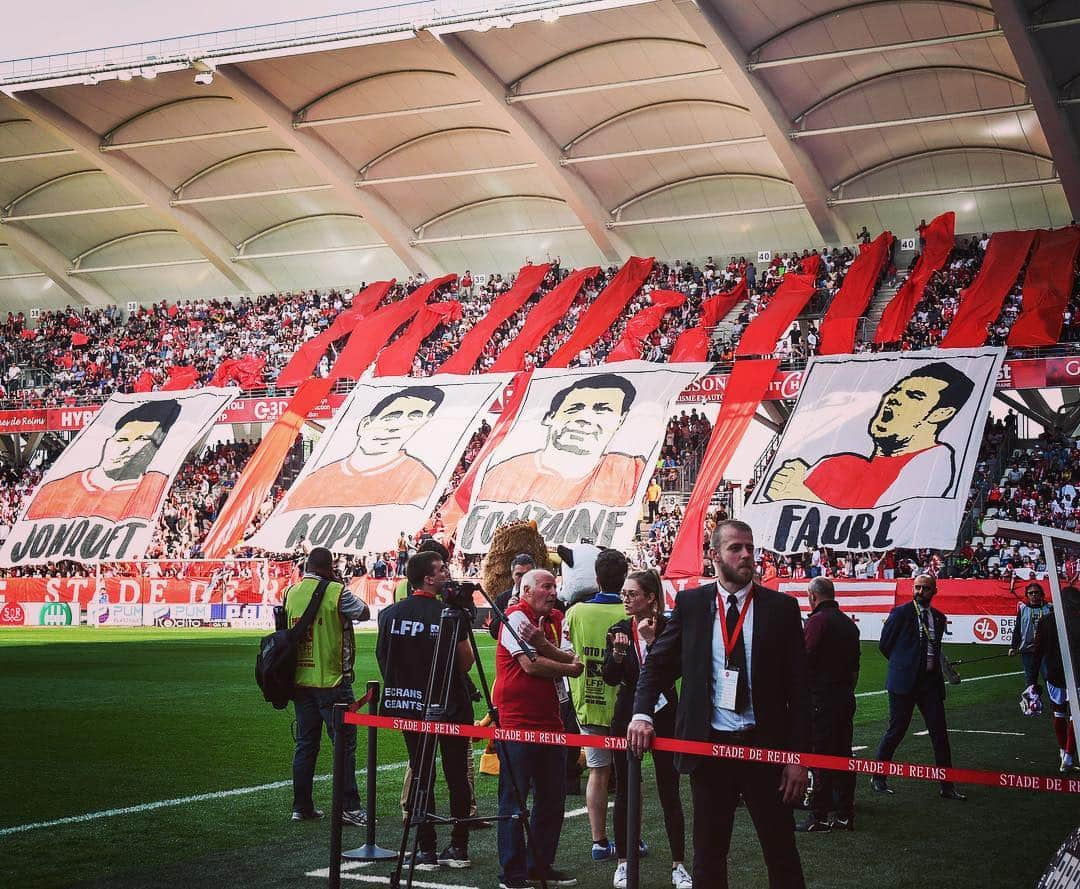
(529, 277)
(541, 319)
(380, 327)
(180, 377)
(940, 239)
(259, 473)
(748, 385)
(980, 304)
(396, 360)
(840, 322)
(642, 325)
(762, 334)
(606, 308)
(303, 363)
(1048, 284)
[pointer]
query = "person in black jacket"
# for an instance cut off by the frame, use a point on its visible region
(739, 649)
(520, 565)
(832, 660)
(1048, 658)
(911, 640)
(628, 645)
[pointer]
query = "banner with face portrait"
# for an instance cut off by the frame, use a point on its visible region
(100, 500)
(382, 464)
(579, 455)
(878, 453)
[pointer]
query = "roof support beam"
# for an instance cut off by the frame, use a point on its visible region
(706, 21)
(944, 40)
(610, 85)
(34, 249)
(193, 228)
(908, 121)
(1042, 88)
(666, 149)
(535, 142)
(35, 155)
(331, 167)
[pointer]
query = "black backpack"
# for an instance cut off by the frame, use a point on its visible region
(275, 665)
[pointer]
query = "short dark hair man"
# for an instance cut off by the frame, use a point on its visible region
(907, 459)
(119, 487)
(324, 674)
(832, 660)
(520, 565)
(911, 640)
(728, 695)
(408, 635)
(1029, 614)
(574, 466)
(379, 470)
(527, 698)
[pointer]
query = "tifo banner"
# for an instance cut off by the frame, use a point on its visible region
(578, 456)
(878, 453)
(101, 498)
(380, 467)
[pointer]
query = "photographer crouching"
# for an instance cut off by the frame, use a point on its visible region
(408, 634)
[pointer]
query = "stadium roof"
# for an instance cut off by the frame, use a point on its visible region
(381, 143)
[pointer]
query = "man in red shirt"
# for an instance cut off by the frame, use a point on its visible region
(119, 487)
(907, 460)
(379, 470)
(527, 689)
(574, 467)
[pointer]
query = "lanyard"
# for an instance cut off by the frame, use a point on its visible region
(721, 613)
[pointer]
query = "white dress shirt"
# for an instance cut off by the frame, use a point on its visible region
(729, 720)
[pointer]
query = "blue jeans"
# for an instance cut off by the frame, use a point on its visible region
(541, 770)
(314, 708)
(1030, 676)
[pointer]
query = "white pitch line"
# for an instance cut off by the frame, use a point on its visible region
(857, 749)
(178, 801)
(971, 731)
(870, 694)
(371, 878)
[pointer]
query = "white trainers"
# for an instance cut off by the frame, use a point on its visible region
(680, 878)
(620, 876)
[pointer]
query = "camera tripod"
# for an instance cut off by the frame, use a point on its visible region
(454, 626)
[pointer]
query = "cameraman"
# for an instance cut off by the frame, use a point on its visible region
(324, 674)
(408, 634)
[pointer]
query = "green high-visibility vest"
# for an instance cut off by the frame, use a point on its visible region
(587, 627)
(325, 657)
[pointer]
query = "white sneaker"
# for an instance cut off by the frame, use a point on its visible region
(680, 878)
(620, 876)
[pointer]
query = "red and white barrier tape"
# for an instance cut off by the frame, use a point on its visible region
(1010, 780)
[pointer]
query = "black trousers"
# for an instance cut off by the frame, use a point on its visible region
(831, 728)
(667, 788)
(717, 785)
(454, 754)
(929, 697)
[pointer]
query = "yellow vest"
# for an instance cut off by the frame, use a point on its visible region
(324, 658)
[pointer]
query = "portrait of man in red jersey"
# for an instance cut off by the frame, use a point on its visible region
(908, 458)
(574, 465)
(379, 470)
(120, 486)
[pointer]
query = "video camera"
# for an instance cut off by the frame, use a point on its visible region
(459, 595)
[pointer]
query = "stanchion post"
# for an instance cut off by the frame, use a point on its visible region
(337, 803)
(633, 821)
(371, 851)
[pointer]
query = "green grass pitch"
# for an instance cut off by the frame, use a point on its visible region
(98, 720)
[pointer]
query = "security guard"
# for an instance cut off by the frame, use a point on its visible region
(408, 635)
(324, 674)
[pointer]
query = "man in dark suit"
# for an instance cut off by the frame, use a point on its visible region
(739, 649)
(911, 640)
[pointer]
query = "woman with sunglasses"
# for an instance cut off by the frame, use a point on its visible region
(628, 644)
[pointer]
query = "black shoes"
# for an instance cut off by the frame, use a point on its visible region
(951, 792)
(838, 823)
(813, 825)
(879, 785)
(452, 856)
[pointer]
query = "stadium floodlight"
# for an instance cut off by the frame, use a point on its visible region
(90, 79)
(148, 73)
(124, 75)
(204, 78)
(504, 21)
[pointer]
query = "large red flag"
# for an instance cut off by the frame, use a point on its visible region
(1047, 285)
(542, 317)
(307, 356)
(607, 306)
(261, 470)
(693, 344)
(180, 377)
(842, 319)
(638, 328)
(763, 333)
(396, 360)
(472, 345)
(940, 239)
(145, 382)
(379, 328)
